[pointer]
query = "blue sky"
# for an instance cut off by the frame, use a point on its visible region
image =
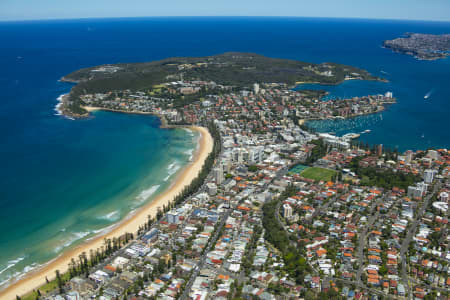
(379, 9)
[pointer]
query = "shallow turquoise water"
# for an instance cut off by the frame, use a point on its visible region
(78, 177)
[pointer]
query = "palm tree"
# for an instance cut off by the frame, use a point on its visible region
(59, 280)
(91, 256)
(74, 266)
(80, 257)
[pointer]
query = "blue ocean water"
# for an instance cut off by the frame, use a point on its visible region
(64, 180)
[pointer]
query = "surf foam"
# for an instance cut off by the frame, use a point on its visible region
(145, 194)
(112, 216)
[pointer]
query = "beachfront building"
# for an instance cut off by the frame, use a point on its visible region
(211, 188)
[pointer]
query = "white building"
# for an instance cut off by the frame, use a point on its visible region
(287, 211)
(211, 188)
(218, 174)
(173, 217)
(334, 141)
(429, 175)
(255, 154)
(442, 206)
(256, 88)
(237, 155)
(417, 191)
(408, 156)
(433, 154)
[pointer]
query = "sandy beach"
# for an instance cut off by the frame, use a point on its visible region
(131, 223)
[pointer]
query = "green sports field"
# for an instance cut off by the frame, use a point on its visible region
(316, 173)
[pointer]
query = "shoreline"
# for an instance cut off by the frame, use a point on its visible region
(129, 224)
(163, 120)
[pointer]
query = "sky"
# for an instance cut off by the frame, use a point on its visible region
(437, 10)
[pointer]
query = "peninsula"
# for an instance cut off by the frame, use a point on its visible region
(159, 79)
(421, 46)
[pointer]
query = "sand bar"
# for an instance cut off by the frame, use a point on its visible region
(36, 278)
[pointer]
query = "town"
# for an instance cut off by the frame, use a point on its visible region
(283, 213)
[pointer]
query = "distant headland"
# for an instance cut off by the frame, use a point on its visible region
(421, 46)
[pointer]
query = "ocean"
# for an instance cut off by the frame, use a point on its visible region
(65, 180)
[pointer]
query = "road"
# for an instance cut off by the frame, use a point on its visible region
(421, 283)
(363, 237)
(359, 285)
(201, 262)
(410, 235)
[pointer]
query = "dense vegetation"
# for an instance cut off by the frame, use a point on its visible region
(319, 151)
(381, 177)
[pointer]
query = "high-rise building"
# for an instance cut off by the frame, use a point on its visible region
(417, 191)
(211, 188)
(173, 217)
(287, 211)
(428, 175)
(236, 154)
(408, 156)
(218, 174)
(380, 150)
(256, 88)
(433, 154)
(256, 154)
(414, 192)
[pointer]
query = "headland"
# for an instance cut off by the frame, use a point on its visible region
(421, 46)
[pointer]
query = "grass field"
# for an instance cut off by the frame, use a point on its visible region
(316, 173)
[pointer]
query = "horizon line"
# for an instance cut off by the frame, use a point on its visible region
(216, 16)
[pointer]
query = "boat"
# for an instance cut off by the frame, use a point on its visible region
(426, 96)
(366, 131)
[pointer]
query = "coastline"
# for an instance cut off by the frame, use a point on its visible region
(129, 224)
(164, 124)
